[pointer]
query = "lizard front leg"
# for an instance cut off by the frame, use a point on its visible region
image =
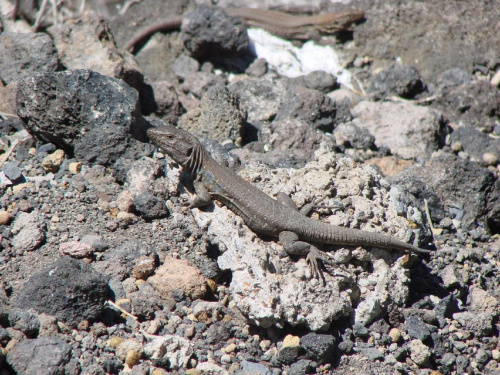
(201, 196)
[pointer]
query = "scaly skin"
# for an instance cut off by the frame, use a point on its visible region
(282, 24)
(260, 212)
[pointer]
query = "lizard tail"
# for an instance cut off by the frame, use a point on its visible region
(334, 235)
(169, 25)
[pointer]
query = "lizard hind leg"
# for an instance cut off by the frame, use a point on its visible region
(292, 245)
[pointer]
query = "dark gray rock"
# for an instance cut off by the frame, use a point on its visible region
(149, 206)
(43, 356)
(459, 183)
(97, 243)
(116, 289)
(95, 369)
(257, 68)
(198, 83)
(218, 116)
(46, 148)
(166, 102)
(292, 135)
(112, 365)
(185, 66)
(146, 301)
(25, 321)
(4, 309)
(319, 111)
(346, 346)
(351, 136)
(24, 54)
(417, 329)
(371, 353)
(479, 323)
(261, 98)
(10, 125)
(453, 77)
(482, 356)
(218, 333)
(318, 80)
(220, 153)
(401, 353)
(88, 115)
(2, 359)
(462, 364)
(288, 354)
(473, 104)
(448, 359)
(446, 307)
(4, 337)
(302, 367)
(360, 330)
(210, 33)
(399, 80)
(13, 172)
(119, 261)
(475, 143)
(319, 347)
(251, 368)
(69, 289)
(380, 326)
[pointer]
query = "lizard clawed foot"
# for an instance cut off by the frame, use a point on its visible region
(314, 258)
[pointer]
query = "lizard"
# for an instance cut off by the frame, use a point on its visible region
(260, 212)
(281, 24)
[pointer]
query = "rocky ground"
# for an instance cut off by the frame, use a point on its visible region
(104, 271)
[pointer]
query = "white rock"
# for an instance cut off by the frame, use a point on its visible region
(272, 290)
(177, 349)
(408, 130)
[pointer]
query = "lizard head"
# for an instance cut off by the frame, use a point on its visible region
(177, 143)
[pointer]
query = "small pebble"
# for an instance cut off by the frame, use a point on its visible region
(419, 353)
(12, 172)
(265, 345)
(490, 158)
(126, 217)
(230, 348)
(52, 162)
(76, 249)
(114, 341)
(75, 168)
(144, 267)
(495, 354)
(290, 340)
(4, 217)
(456, 146)
(83, 325)
(132, 358)
(395, 335)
